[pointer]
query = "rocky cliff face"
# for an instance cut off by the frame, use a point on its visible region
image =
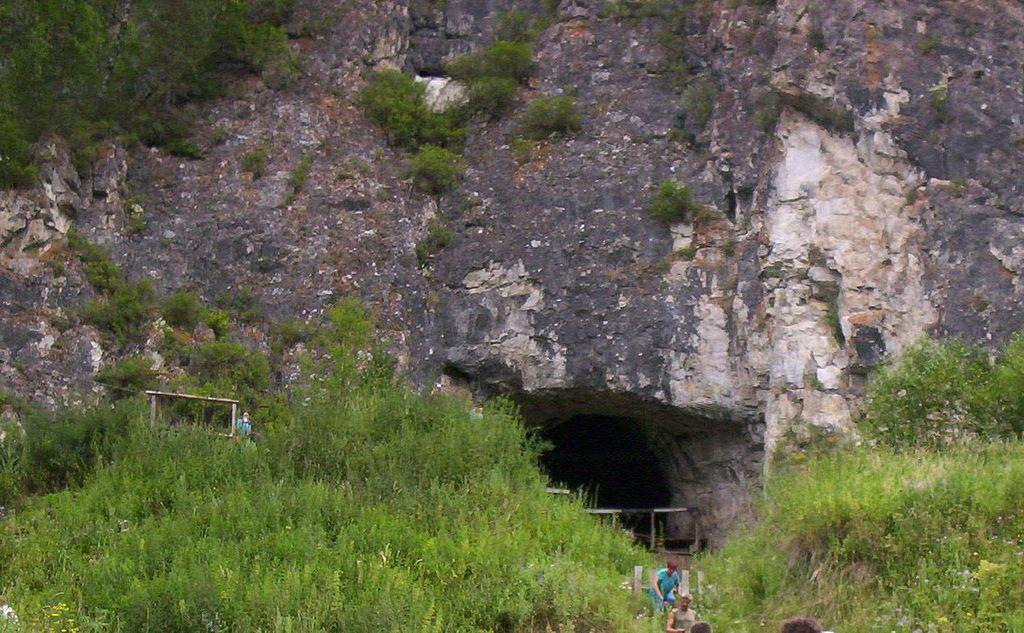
(862, 157)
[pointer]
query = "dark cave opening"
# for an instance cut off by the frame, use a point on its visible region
(609, 458)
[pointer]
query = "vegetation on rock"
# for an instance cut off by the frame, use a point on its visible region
(550, 115)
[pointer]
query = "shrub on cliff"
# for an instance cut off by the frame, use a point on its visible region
(395, 102)
(435, 169)
(182, 309)
(127, 377)
(674, 202)
(124, 313)
(550, 116)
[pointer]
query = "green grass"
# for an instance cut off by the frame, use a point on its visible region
(875, 540)
(365, 507)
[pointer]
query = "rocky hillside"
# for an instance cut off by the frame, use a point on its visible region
(854, 165)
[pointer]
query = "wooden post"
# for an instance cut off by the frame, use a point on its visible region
(700, 580)
(152, 411)
(653, 530)
(234, 416)
(684, 581)
(638, 578)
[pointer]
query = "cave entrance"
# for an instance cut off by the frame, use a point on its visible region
(624, 451)
(613, 462)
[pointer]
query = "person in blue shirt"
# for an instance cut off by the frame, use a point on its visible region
(664, 585)
(243, 426)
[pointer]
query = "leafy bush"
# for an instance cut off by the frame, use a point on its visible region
(435, 169)
(127, 377)
(231, 365)
(217, 320)
(674, 202)
(395, 102)
(298, 176)
(57, 449)
(550, 115)
(102, 273)
(502, 59)
(124, 313)
(84, 70)
(241, 302)
(182, 309)
(870, 539)
(492, 96)
(938, 393)
(255, 162)
(439, 236)
(16, 167)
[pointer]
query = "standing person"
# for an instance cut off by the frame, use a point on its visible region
(682, 618)
(801, 625)
(664, 584)
(243, 426)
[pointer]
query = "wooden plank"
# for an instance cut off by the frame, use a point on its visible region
(684, 581)
(654, 530)
(152, 411)
(234, 416)
(558, 491)
(638, 578)
(700, 580)
(189, 396)
(634, 510)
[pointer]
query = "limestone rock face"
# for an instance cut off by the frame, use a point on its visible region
(859, 164)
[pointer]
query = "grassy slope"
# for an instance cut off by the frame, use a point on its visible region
(368, 509)
(875, 540)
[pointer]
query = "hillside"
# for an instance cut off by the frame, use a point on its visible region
(364, 507)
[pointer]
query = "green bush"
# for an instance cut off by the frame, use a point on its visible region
(228, 364)
(84, 70)
(102, 273)
(439, 236)
(502, 59)
(128, 377)
(938, 393)
(182, 309)
(874, 540)
(16, 166)
(125, 313)
(395, 102)
(674, 202)
(435, 169)
(550, 115)
(57, 449)
(217, 320)
(297, 179)
(492, 96)
(255, 162)
(241, 302)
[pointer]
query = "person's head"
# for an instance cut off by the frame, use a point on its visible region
(672, 566)
(245, 416)
(700, 627)
(801, 625)
(684, 601)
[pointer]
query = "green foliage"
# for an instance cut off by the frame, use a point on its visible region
(182, 309)
(435, 169)
(769, 107)
(939, 393)
(825, 112)
(53, 450)
(674, 202)
(938, 98)
(502, 59)
(124, 313)
(634, 9)
(298, 176)
(255, 162)
(230, 365)
(184, 148)
(395, 102)
(928, 44)
(87, 69)
(350, 325)
(515, 26)
(550, 116)
(240, 302)
(699, 102)
(439, 236)
(492, 96)
(127, 377)
(816, 38)
(293, 332)
(363, 508)
(870, 539)
(102, 273)
(217, 320)
(16, 167)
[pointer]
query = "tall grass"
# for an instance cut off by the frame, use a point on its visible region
(872, 540)
(364, 507)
